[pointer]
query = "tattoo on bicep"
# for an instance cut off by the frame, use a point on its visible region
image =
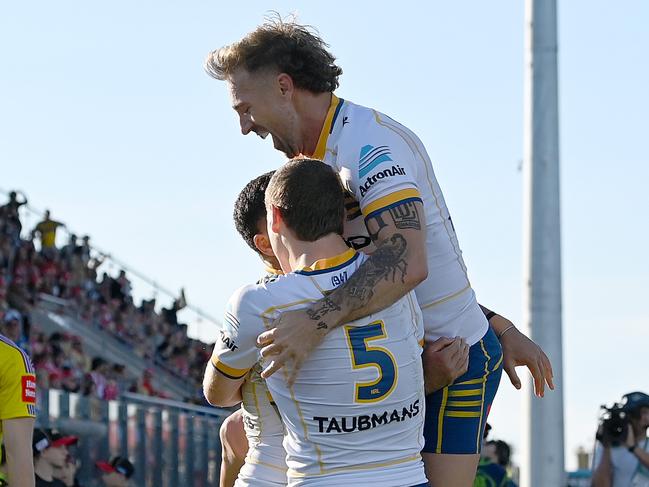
(405, 216)
(374, 226)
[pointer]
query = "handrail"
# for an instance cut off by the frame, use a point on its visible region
(157, 401)
(131, 270)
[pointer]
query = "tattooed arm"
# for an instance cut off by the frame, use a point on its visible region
(396, 267)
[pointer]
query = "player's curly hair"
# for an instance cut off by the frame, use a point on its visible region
(282, 45)
(250, 208)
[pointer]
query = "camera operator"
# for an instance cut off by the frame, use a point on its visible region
(621, 456)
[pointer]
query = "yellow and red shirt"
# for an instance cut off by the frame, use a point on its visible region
(17, 383)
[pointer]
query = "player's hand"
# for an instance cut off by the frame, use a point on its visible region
(519, 350)
(444, 360)
(293, 336)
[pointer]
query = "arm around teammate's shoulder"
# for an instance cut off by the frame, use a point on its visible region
(396, 266)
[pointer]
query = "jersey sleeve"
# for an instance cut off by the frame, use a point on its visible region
(385, 168)
(235, 350)
(17, 387)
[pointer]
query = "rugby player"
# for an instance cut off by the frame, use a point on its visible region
(17, 412)
(250, 221)
(281, 79)
(251, 438)
(354, 414)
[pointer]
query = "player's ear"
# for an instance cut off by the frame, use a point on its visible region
(285, 83)
(262, 243)
(276, 218)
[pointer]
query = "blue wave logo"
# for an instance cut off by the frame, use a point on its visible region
(371, 157)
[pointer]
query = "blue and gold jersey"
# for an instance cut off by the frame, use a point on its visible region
(356, 410)
(382, 165)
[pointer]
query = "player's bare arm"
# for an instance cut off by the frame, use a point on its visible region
(234, 446)
(18, 446)
(395, 268)
(519, 350)
(220, 390)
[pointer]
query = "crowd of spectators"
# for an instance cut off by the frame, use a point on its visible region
(71, 273)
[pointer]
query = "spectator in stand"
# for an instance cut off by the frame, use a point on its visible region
(46, 229)
(170, 314)
(85, 250)
(12, 328)
(68, 472)
(71, 249)
(494, 463)
(116, 472)
(10, 217)
(98, 372)
(50, 452)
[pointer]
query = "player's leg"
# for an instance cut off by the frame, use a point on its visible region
(234, 447)
(456, 417)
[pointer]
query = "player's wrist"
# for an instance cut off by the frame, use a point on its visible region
(499, 324)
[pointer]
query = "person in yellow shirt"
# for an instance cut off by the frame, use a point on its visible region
(17, 412)
(47, 231)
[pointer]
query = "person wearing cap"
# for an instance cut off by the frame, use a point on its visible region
(17, 412)
(68, 472)
(50, 453)
(626, 465)
(116, 472)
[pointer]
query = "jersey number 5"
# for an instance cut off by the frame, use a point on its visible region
(364, 355)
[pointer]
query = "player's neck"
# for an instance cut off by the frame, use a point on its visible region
(305, 254)
(313, 108)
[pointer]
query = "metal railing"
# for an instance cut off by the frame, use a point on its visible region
(171, 444)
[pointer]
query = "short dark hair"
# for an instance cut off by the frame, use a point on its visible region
(250, 208)
(503, 452)
(310, 197)
(282, 45)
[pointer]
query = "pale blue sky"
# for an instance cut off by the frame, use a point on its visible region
(107, 118)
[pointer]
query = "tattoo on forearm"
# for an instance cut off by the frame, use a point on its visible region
(325, 306)
(405, 216)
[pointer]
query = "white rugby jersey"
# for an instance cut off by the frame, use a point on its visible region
(355, 414)
(265, 464)
(381, 164)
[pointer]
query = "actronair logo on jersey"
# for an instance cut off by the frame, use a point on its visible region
(395, 170)
(349, 424)
(228, 342)
(371, 157)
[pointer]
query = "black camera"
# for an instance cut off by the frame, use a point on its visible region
(613, 424)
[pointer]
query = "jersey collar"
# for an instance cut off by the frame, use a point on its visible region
(334, 109)
(330, 264)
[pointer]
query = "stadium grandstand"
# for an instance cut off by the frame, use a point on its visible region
(119, 375)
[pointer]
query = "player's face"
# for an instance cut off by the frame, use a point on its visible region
(263, 102)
